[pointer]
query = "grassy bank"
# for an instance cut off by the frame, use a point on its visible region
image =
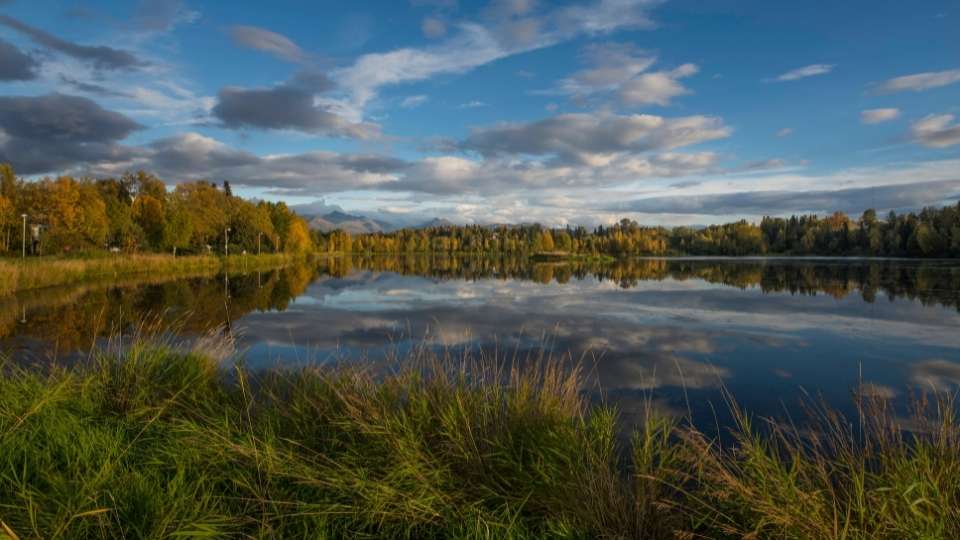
(162, 443)
(18, 275)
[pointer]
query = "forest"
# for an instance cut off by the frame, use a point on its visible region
(138, 213)
(933, 232)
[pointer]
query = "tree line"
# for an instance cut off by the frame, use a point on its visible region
(136, 212)
(932, 232)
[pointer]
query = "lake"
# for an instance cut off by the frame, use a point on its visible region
(676, 332)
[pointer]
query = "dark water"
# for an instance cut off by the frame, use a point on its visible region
(676, 331)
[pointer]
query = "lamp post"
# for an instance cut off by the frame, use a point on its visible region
(226, 241)
(24, 239)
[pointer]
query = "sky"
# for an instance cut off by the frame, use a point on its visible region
(668, 112)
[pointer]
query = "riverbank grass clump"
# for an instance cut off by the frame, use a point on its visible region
(162, 441)
(34, 273)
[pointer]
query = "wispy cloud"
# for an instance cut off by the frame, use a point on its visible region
(919, 82)
(876, 116)
(267, 41)
(936, 131)
(162, 15)
(476, 44)
(782, 202)
(806, 71)
(412, 102)
(101, 57)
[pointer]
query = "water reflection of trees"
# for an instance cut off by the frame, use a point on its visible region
(928, 282)
(73, 318)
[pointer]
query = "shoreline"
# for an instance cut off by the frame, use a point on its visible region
(37, 273)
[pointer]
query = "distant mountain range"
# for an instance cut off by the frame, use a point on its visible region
(435, 222)
(355, 224)
(348, 222)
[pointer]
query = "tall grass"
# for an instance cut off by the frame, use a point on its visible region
(18, 275)
(159, 441)
(878, 477)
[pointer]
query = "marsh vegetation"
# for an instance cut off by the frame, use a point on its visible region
(157, 440)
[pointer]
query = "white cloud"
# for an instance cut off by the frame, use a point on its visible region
(621, 68)
(806, 71)
(921, 81)
(876, 116)
(611, 65)
(269, 42)
(412, 102)
(475, 104)
(657, 88)
(785, 132)
(936, 131)
(591, 138)
(475, 45)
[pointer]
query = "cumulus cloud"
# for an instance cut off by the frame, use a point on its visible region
(192, 156)
(657, 88)
(621, 68)
(291, 105)
(16, 65)
(594, 138)
(101, 57)
(805, 71)
(876, 116)
(919, 82)
(613, 150)
(48, 133)
(269, 42)
(936, 131)
(456, 175)
(611, 65)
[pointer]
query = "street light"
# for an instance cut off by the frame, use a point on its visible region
(226, 241)
(24, 239)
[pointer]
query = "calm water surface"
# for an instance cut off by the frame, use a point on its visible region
(676, 331)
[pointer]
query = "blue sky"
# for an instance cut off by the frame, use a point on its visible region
(669, 112)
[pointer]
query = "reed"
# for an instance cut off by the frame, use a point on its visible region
(161, 440)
